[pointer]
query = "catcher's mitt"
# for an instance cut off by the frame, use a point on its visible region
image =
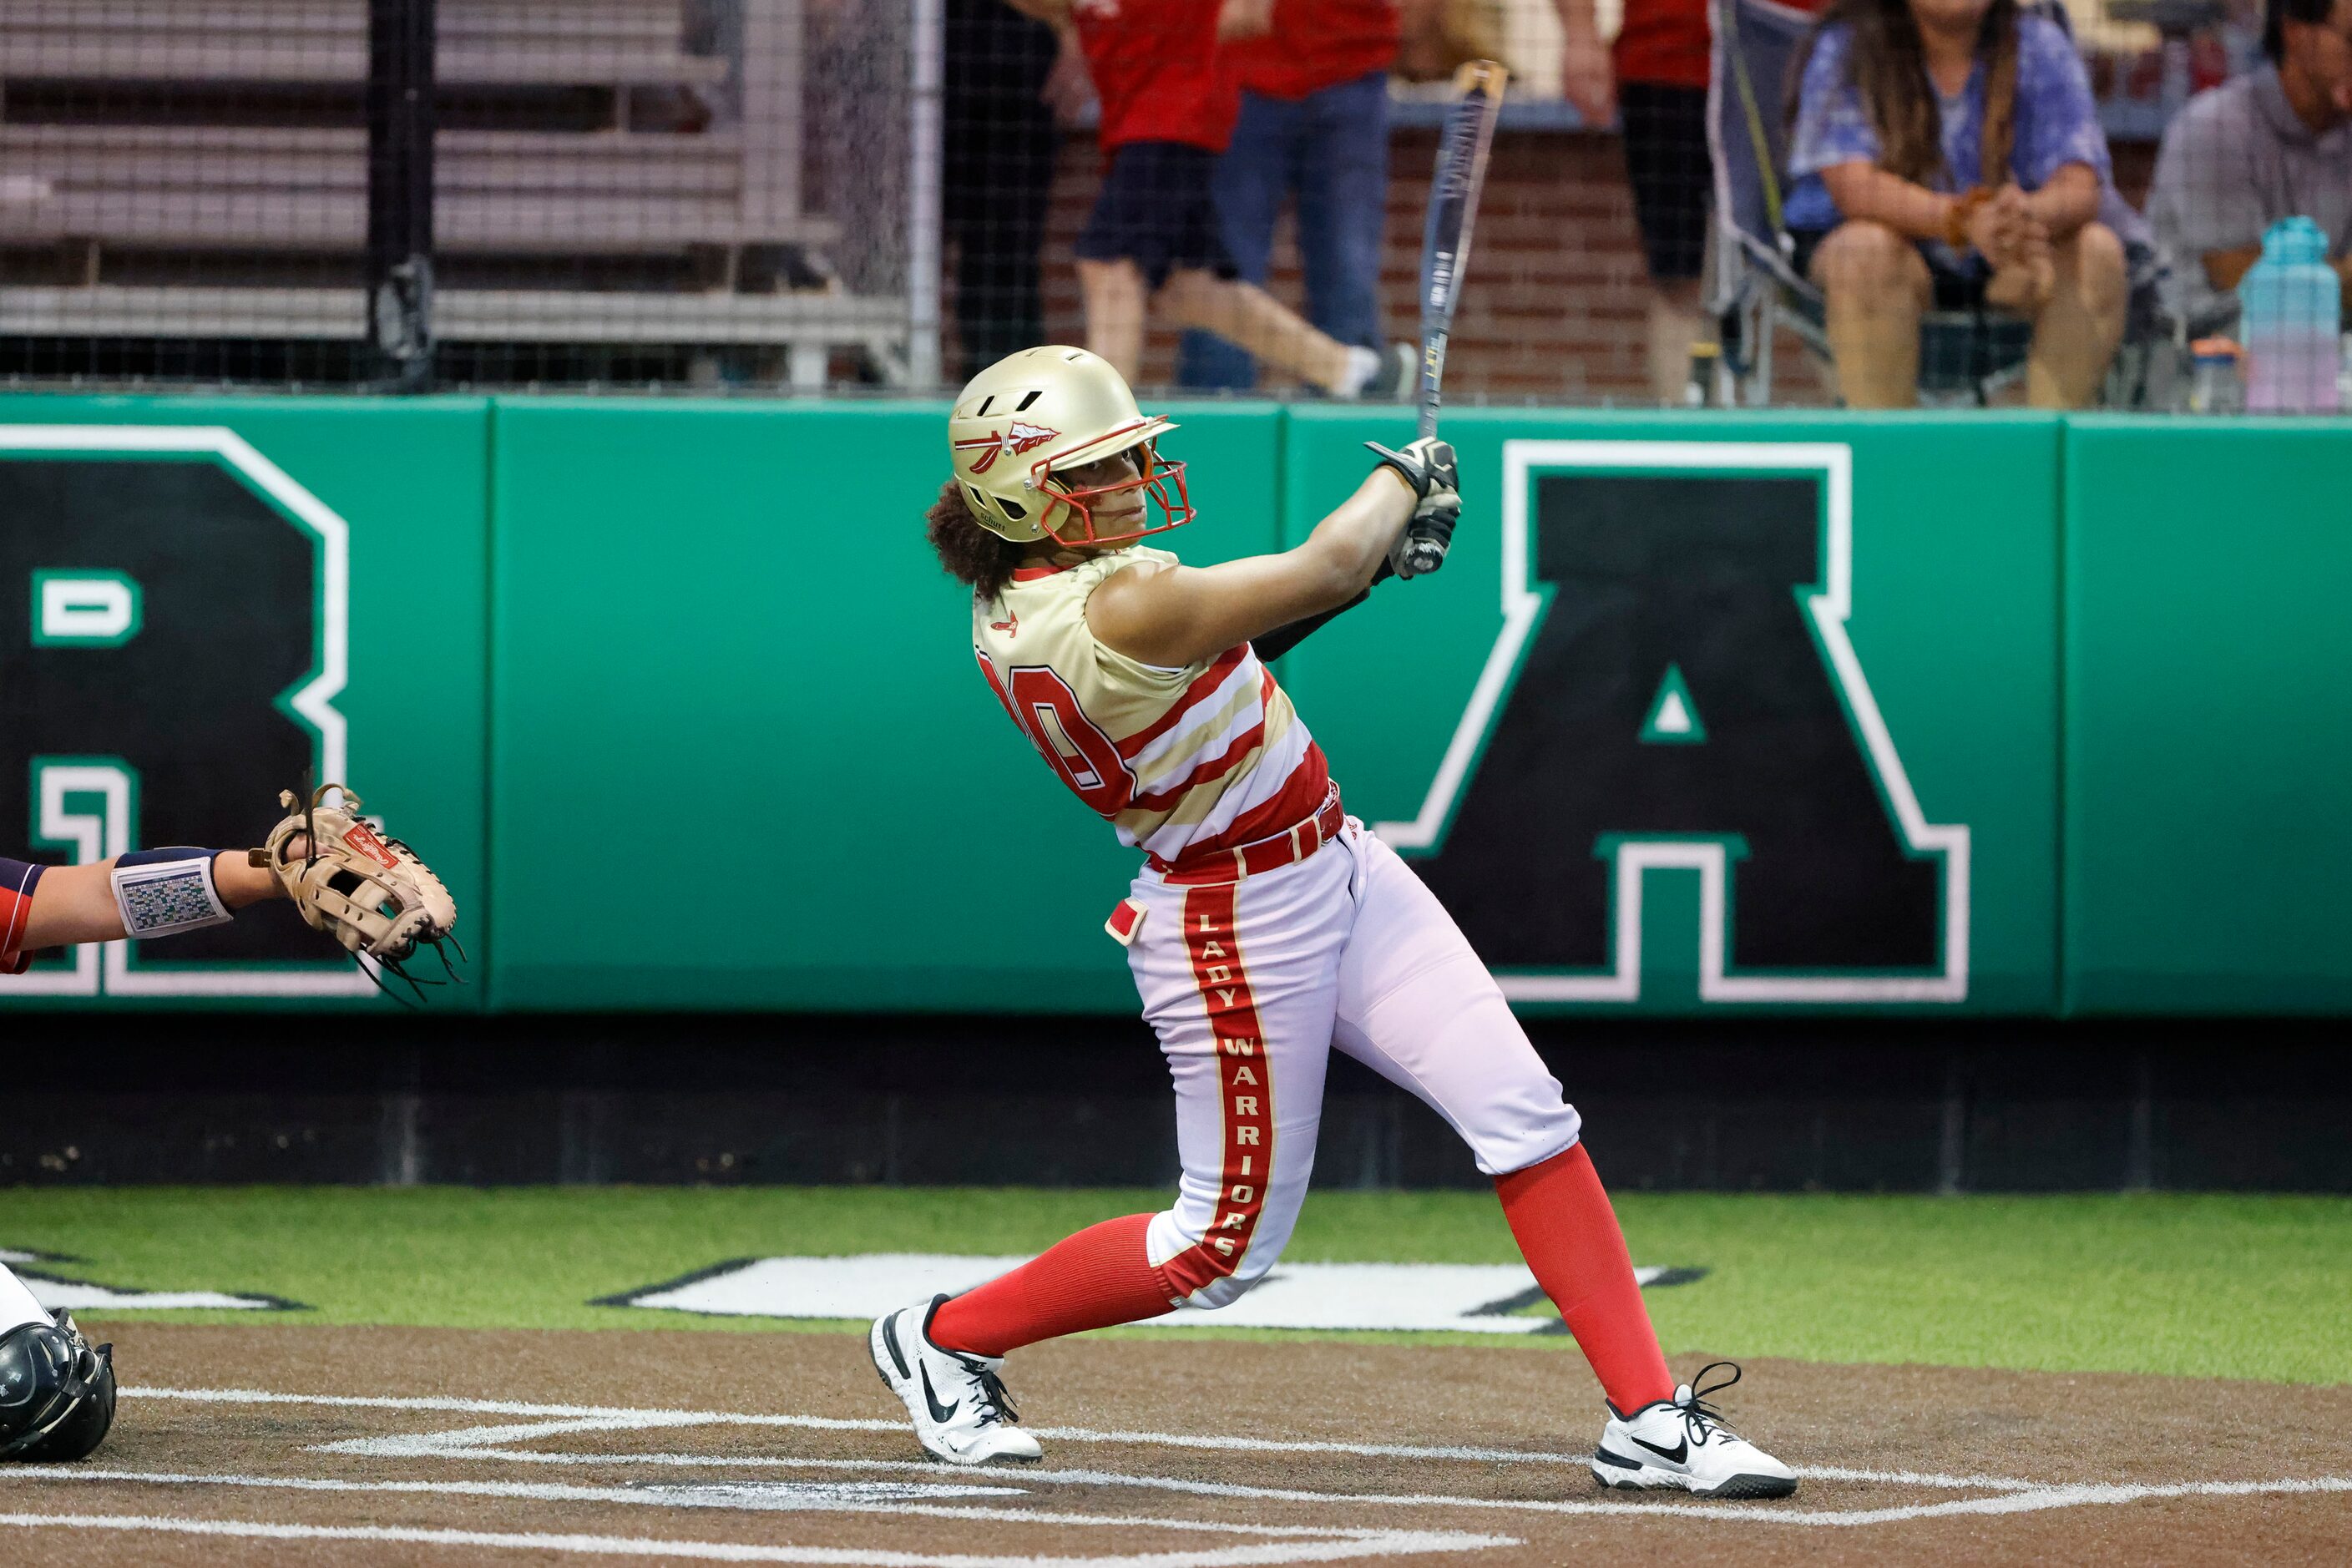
(370, 892)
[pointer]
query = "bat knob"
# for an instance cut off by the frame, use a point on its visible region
(1425, 556)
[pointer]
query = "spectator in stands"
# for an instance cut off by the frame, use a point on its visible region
(1654, 79)
(1948, 153)
(2275, 143)
(1314, 128)
(1001, 71)
(1169, 102)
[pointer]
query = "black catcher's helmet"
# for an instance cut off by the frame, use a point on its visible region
(57, 1393)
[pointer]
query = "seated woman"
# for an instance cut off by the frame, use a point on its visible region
(1947, 154)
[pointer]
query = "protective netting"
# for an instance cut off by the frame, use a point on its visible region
(622, 191)
(1224, 195)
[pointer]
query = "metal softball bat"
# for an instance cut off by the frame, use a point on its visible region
(1462, 148)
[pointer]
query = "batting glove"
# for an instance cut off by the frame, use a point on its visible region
(1426, 466)
(1421, 548)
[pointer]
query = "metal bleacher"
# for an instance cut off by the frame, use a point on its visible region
(199, 169)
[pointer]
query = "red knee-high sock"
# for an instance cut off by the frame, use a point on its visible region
(1568, 1234)
(1099, 1278)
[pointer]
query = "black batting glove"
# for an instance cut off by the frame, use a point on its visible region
(1421, 548)
(1426, 466)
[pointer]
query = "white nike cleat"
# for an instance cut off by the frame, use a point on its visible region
(1682, 1443)
(958, 1402)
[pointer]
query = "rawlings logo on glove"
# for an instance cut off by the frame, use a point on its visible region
(371, 893)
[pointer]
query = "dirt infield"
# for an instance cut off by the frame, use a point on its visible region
(290, 1444)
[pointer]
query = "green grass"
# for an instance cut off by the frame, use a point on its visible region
(2197, 1286)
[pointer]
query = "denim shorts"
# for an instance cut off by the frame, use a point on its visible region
(1155, 209)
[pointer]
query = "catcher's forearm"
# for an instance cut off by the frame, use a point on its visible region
(75, 903)
(242, 882)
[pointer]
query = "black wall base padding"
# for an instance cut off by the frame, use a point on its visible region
(1841, 1105)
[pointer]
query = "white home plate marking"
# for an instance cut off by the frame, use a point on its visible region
(1478, 1299)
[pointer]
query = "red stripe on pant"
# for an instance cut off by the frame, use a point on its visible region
(1245, 1090)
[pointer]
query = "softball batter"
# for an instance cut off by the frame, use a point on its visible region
(1266, 926)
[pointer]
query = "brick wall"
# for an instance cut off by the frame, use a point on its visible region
(1553, 308)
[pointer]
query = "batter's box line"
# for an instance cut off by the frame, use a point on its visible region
(2023, 1498)
(607, 1417)
(635, 1497)
(1400, 1544)
(467, 1443)
(2011, 1496)
(1324, 1542)
(1289, 1543)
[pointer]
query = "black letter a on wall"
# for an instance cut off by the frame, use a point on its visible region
(1673, 689)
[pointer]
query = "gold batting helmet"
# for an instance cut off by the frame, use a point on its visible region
(1048, 409)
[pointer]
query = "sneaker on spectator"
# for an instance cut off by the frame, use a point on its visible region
(1375, 376)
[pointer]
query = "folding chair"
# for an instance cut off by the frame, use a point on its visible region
(1964, 355)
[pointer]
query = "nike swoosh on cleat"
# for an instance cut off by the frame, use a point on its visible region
(941, 1414)
(1674, 1455)
(890, 1343)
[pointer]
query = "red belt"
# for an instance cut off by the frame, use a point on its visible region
(1260, 855)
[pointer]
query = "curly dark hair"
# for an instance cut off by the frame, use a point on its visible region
(968, 552)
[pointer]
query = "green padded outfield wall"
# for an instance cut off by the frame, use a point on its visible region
(2208, 716)
(1706, 713)
(201, 600)
(730, 673)
(1717, 713)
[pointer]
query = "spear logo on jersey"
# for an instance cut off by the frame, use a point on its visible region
(1021, 437)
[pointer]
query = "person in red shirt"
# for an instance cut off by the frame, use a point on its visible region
(1655, 80)
(1153, 240)
(1314, 128)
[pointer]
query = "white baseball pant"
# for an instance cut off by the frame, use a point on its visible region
(1250, 983)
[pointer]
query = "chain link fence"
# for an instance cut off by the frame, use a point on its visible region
(473, 192)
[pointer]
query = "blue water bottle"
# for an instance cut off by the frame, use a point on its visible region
(2291, 300)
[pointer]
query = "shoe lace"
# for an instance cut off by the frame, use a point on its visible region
(993, 1401)
(1703, 1420)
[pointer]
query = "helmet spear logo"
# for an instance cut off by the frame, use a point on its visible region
(1022, 438)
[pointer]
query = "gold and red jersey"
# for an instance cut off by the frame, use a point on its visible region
(1183, 762)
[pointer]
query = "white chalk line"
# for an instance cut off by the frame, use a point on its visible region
(425, 1448)
(554, 1491)
(624, 1416)
(2043, 1498)
(608, 1417)
(461, 1445)
(2012, 1495)
(2037, 1499)
(1394, 1545)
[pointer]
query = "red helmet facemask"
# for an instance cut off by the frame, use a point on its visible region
(1078, 523)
